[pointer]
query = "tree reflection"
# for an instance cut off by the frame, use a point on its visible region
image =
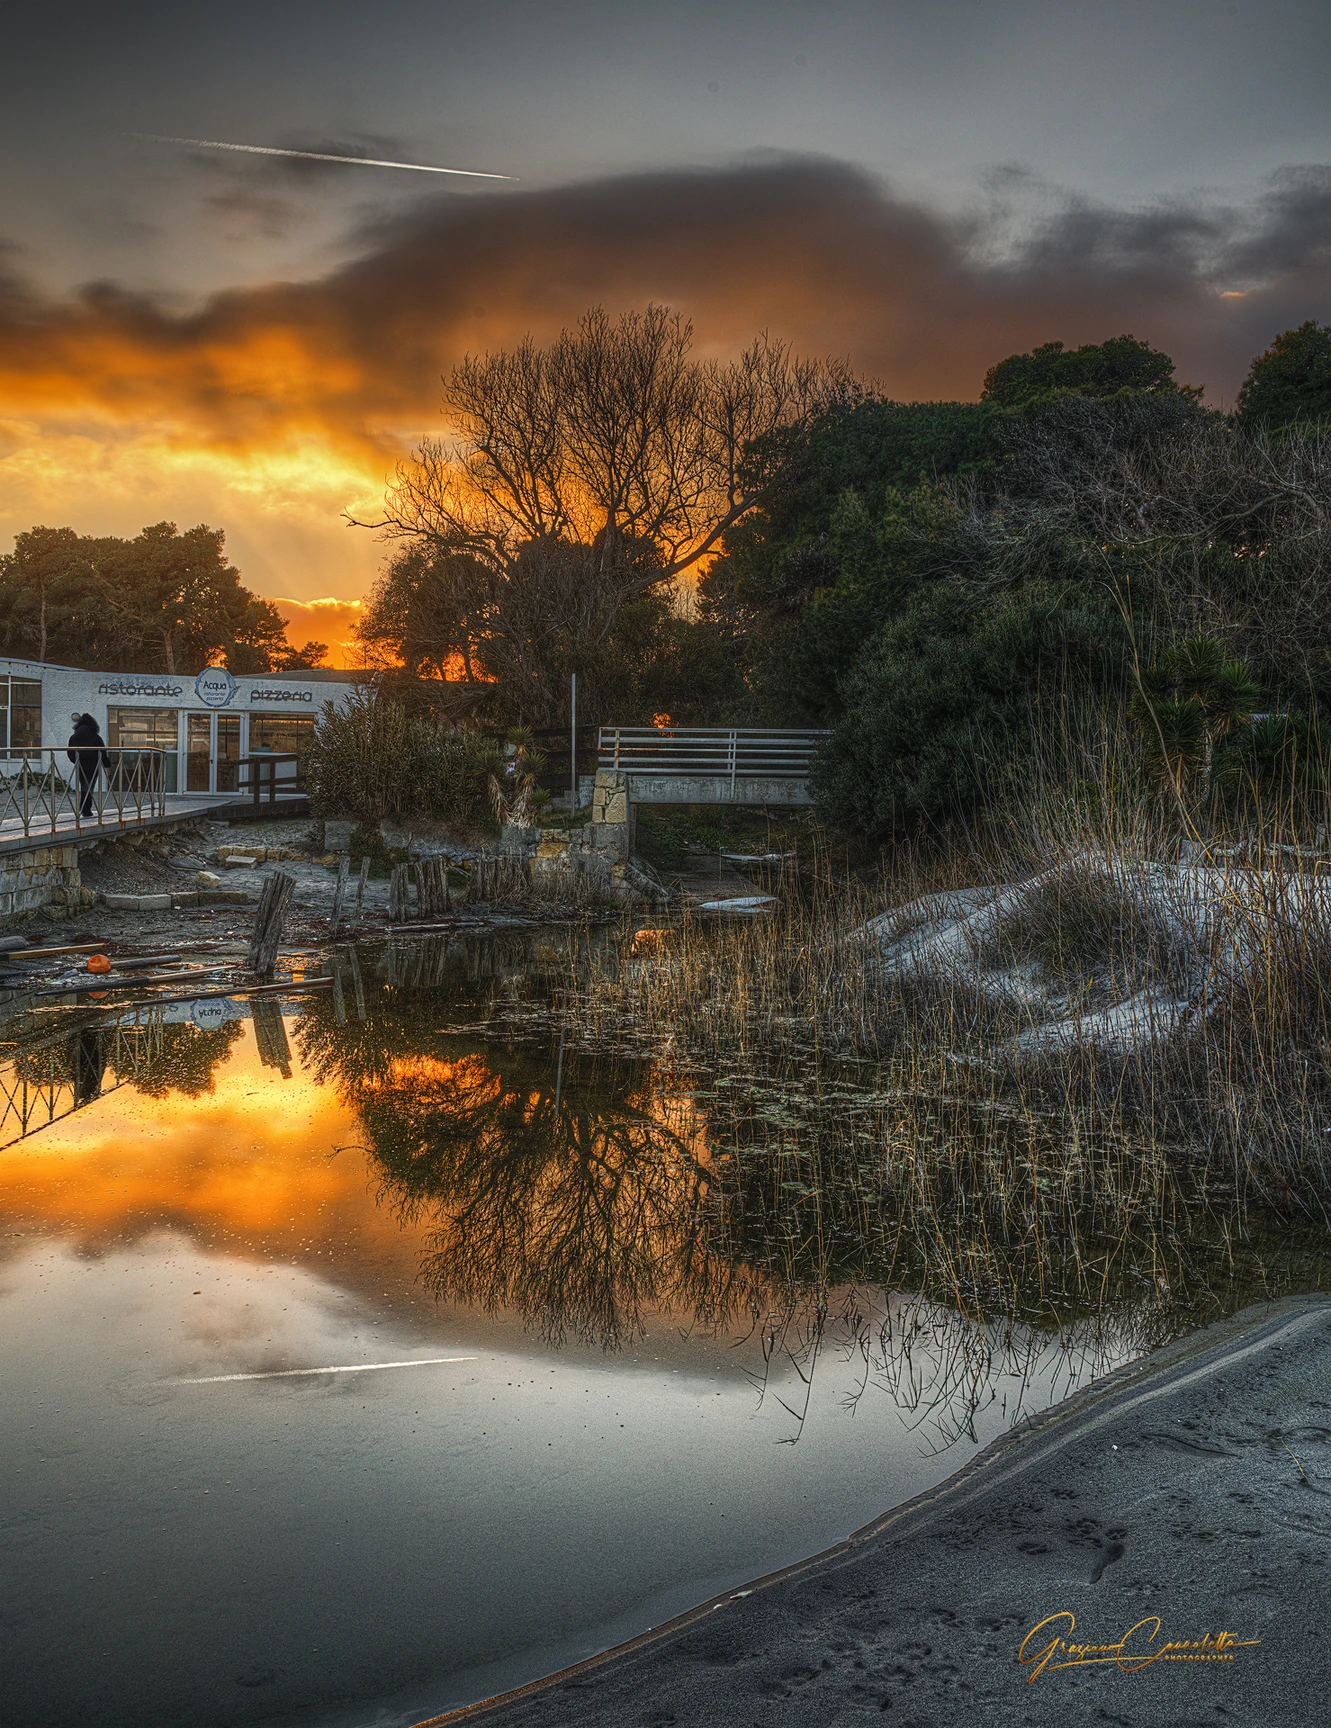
(588, 1194)
(181, 1058)
(580, 1201)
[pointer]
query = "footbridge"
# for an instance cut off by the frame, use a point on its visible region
(705, 765)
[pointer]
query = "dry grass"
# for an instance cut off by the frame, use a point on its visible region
(1238, 1092)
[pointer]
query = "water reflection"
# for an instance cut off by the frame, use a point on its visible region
(592, 1200)
(646, 1282)
(588, 1197)
(51, 1074)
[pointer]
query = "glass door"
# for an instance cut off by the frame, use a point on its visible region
(228, 751)
(198, 752)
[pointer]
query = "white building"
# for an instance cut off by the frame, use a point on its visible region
(204, 725)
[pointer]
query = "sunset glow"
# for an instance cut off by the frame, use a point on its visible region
(211, 1163)
(275, 411)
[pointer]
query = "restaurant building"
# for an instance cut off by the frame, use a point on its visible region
(205, 725)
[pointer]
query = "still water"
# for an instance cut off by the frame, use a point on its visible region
(355, 1367)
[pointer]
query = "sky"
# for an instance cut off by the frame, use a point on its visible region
(924, 188)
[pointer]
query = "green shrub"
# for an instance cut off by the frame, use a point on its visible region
(372, 759)
(951, 688)
(1278, 762)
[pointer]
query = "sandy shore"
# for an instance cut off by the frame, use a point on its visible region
(1194, 1486)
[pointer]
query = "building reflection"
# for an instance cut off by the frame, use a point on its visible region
(49, 1077)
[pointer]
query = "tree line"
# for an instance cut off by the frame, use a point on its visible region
(164, 601)
(919, 577)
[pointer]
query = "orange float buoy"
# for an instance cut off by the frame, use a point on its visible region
(99, 963)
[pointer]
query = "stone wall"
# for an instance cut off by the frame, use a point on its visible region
(47, 880)
(42, 878)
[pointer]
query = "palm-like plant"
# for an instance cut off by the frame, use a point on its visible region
(516, 798)
(1185, 705)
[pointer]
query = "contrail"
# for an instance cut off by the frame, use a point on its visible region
(292, 1373)
(317, 156)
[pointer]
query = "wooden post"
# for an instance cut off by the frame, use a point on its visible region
(398, 903)
(270, 1034)
(274, 904)
(357, 983)
(343, 870)
(339, 997)
(360, 886)
(481, 880)
(432, 897)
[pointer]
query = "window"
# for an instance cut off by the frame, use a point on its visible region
(286, 733)
(20, 715)
(145, 729)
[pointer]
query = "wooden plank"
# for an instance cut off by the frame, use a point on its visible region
(100, 981)
(39, 953)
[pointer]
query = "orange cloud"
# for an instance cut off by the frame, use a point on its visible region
(270, 411)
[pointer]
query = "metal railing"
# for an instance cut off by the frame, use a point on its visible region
(713, 752)
(43, 793)
(49, 1079)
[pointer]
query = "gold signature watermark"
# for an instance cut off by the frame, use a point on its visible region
(1049, 1646)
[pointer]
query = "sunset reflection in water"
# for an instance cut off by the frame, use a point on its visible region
(594, 1445)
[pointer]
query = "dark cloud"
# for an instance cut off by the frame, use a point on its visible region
(811, 250)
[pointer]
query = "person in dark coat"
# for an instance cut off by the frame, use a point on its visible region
(89, 1065)
(87, 750)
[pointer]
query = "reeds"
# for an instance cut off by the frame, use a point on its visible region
(1215, 954)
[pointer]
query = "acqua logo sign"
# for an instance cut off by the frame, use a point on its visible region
(215, 686)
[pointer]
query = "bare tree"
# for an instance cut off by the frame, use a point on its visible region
(582, 474)
(614, 436)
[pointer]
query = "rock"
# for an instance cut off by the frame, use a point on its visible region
(224, 897)
(137, 902)
(337, 836)
(178, 901)
(517, 842)
(234, 861)
(207, 879)
(656, 893)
